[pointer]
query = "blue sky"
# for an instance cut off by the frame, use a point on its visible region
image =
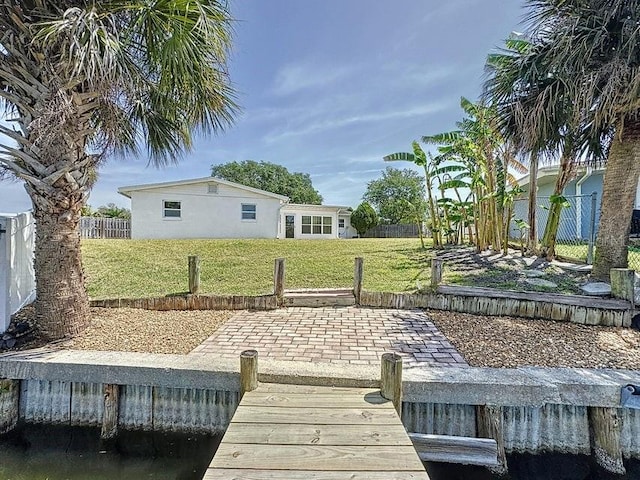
(328, 87)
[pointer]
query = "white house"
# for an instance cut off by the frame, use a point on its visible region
(214, 208)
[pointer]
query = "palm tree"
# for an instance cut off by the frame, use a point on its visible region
(590, 50)
(81, 80)
(521, 86)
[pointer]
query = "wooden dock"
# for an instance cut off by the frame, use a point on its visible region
(294, 432)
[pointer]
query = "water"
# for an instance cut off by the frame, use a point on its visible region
(67, 453)
(61, 453)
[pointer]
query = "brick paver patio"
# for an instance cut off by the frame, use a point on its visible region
(337, 335)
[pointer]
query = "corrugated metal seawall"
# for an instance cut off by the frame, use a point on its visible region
(141, 407)
(527, 429)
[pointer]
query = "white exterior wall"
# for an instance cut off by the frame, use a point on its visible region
(17, 276)
(203, 214)
(299, 211)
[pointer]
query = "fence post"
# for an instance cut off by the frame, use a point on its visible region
(391, 380)
(592, 228)
(278, 280)
(436, 271)
(623, 284)
(357, 279)
(248, 371)
(194, 274)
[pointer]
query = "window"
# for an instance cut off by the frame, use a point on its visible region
(172, 209)
(316, 225)
(306, 224)
(341, 223)
(248, 211)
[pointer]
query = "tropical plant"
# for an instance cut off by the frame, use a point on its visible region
(270, 177)
(364, 218)
(427, 162)
(590, 52)
(520, 86)
(483, 160)
(80, 80)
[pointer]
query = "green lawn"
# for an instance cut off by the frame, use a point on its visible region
(141, 268)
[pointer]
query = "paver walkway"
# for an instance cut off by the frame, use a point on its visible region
(336, 335)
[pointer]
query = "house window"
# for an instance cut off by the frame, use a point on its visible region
(316, 225)
(341, 223)
(248, 211)
(172, 209)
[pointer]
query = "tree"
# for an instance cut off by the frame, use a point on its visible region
(82, 79)
(590, 49)
(270, 177)
(111, 210)
(364, 218)
(426, 161)
(398, 197)
(520, 86)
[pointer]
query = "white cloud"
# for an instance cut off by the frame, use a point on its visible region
(333, 123)
(295, 77)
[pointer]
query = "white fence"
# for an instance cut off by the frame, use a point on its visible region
(103, 227)
(17, 277)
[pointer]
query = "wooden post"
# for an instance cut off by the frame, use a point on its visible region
(194, 274)
(604, 432)
(248, 371)
(437, 265)
(357, 279)
(9, 405)
(391, 380)
(489, 424)
(278, 280)
(623, 284)
(111, 411)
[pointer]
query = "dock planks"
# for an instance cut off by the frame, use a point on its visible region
(292, 432)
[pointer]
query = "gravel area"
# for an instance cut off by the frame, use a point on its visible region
(516, 342)
(135, 330)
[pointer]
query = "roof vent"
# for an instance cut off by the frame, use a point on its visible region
(212, 188)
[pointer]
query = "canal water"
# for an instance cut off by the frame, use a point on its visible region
(63, 453)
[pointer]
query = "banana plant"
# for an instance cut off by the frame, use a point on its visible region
(430, 166)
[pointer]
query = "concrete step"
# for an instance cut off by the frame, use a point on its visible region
(319, 297)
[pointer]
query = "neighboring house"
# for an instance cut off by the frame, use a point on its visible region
(577, 219)
(214, 208)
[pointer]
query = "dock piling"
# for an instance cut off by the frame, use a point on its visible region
(248, 371)
(391, 380)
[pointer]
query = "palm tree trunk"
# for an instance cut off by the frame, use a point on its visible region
(618, 195)
(62, 304)
(548, 246)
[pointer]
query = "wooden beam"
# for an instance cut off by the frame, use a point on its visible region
(449, 449)
(278, 280)
(437, 265)
(604, 433)
(357, 278)
(194, 274)
(248, 371)
(111, 411)
(391, 380)
(9, 405)
(489, 424)
(623, 284)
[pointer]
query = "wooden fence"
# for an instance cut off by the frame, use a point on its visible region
(393, 231)
(103, 227)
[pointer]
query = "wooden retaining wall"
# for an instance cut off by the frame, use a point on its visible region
(193, 302)
(488, 301)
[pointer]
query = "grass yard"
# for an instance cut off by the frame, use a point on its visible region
(142, 268)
